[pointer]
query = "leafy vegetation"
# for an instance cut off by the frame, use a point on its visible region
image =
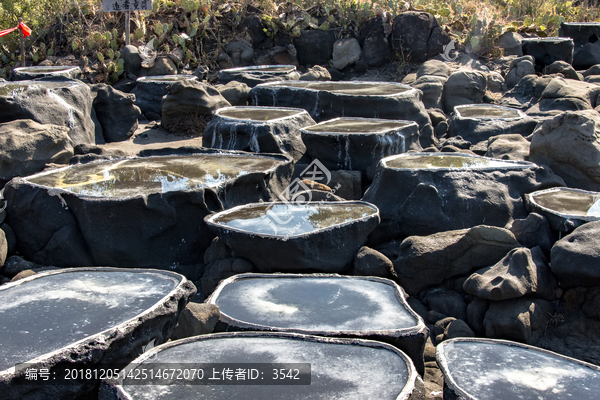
(196, 31)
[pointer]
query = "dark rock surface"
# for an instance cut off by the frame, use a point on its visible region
(27, 146)
(418, 36)
(522, 319)
(464, 87)
(116, 112)
(369, 262)
(547, 50)
(256, 75)
(522, 272)
(443, 199)
(509, 146)
(570, 145)
(187, 103)
(150, 91)
(62, 102)
(425, 261)
(196, 319)
(576, 257)
(314, 47)
(375, 42)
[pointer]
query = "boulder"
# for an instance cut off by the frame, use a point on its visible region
(347, 184)
(369, 262)
(196, 319)
(163, 65)
(510, 42)
(576, 257)
(187, 104)
(374, 40)
(52, 101)
(570, 145)
(526, 93)
(434, 68)
(14, 265)
(447, 302)
(236, 93)
(116, 112)
(508, 147)
(316, 73)
(522, 320)
(150, 91)
(533, 231)
(314, 47)
(458, 328)
(27, 146)
(426, 261)
(432, 88)
(345, 52)
(565, 95)
(496, 82)
(3, 252)
(217, 250)
(11, 239)
(241, 54)
(519, 68)
(522, 272)
(133, 61)
(417, 36)
(563, 68)
(464, 87)
(218, 270)
(591, 71)
(588, 56)
(476, 313)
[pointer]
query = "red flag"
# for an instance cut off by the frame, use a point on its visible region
(26, 30)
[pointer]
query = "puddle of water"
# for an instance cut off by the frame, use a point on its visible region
(44, 70)
(498, 371)
(257, 114)
(12, 89)
(487, 112)
(291, 219)
(566, 201)
(356, 125)
(315, 304)
(49, 313)
(447, 161)
(358, 89)
(133, 177)
(338, 371)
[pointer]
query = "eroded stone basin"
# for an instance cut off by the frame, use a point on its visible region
(291, 237)
(258, 129)
(358, 143)
(62, 102)
(340, 368)
(140, 212)
(328, 100)
(476, 122)
(258, 74)
(149, 91)
(581, 32)
(139, 176)
(26, 73)
(548, 49)
(332, 305)
(80, 317)
(498, 369)
(425, 193)
(565, 208)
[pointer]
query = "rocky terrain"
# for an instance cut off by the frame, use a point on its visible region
(475, 254)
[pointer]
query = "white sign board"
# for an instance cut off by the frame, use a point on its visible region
(126, 5)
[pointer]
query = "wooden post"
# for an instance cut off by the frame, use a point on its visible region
(22, 42)
(127, 28)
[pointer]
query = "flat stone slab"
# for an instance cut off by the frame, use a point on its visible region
(82, 317)
(328, 100)
(425, 193)
(324, 305)
(257, 74)
(565, 208)
(296, 237)
(358, 143)
(136, 212)
(482, 369)
(258, 130)
(339, 368)
(27, 73)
